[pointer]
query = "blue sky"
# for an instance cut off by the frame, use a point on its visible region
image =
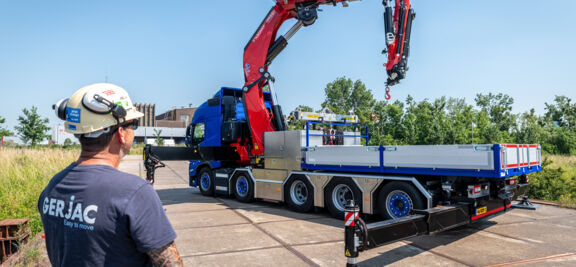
(176, 53)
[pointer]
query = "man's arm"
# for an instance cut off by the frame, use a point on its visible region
(166, 256)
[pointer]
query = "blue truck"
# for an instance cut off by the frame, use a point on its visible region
(300, 169)
(419, 189)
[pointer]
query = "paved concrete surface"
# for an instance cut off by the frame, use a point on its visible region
(223, 232)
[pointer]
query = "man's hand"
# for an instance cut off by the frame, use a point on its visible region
(166, 256)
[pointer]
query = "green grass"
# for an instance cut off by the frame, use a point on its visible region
(23, 175)
(557, 180)
(567, 163)
(137, 149)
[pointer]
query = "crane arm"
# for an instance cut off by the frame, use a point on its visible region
(398, 16)
(265, 45)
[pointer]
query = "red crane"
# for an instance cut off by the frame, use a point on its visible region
(265, 45)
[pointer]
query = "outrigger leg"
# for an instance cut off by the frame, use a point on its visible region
(525, 203)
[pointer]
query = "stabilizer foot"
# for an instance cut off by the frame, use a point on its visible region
(525, 204)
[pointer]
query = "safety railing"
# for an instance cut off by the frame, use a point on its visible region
(342, 125)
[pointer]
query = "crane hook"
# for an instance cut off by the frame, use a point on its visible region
(387, 95)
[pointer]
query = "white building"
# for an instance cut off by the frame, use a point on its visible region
(59, 135)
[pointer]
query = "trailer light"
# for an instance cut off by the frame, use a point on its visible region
(477, 189)
(367, 199)
(527, 178)
(278, 189)
(512, 182)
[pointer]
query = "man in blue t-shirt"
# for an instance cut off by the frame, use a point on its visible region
(93, 214)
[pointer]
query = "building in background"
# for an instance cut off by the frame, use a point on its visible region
(176, 118)
(170, 136)
(170, 125)
(149, 110)
(59, 136)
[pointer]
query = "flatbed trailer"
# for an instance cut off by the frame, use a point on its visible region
(388, 180)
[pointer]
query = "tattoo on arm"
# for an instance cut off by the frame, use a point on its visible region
(166, 256)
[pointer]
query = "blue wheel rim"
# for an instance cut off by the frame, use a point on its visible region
(398, 204)
(242, 186)
(205, 181)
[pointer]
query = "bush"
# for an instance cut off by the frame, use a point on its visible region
(547, 185)
(556, 182)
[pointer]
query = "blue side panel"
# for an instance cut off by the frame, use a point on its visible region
(522, 170)
(423, 171)
(498, 158)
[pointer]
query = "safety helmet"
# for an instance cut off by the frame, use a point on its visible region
(94, 108)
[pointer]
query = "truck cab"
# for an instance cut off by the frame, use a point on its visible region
(220, 121)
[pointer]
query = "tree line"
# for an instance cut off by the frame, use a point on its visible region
(31, 129)
(445, 120)
(448, 120)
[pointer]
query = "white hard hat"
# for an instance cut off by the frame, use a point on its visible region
(96, 107)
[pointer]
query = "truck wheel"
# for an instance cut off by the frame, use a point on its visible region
(243, 187)
(398, 199)
(206, 181)
(299, 194)
(337, 194)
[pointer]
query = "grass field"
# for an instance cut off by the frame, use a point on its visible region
(567, 163)
(557, 181)
(23, 175)
(137, 149)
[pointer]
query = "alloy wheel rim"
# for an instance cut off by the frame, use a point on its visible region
(340, 196)
(299, 192)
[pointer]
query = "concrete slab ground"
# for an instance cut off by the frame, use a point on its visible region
(220, 231)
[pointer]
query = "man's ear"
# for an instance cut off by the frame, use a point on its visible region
(121, 134)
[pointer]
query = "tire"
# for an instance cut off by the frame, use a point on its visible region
(299, 194)
(398, 199)
(243, 187)
(206, 181)
(337, 194)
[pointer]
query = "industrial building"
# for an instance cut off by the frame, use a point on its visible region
(170, 125)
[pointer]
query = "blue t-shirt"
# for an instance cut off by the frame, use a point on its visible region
(95, 215)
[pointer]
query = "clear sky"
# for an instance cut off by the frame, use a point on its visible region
(179, 52)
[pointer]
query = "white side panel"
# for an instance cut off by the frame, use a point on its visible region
(521, 155)
(534, 156)
(477, 157)
(511, 157)
(352, 141)
(317, 140)
(524, 156)
(314, 140)
(343, 155)
(442, 156)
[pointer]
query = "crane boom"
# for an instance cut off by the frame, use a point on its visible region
(398, 26)
(265, 45)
